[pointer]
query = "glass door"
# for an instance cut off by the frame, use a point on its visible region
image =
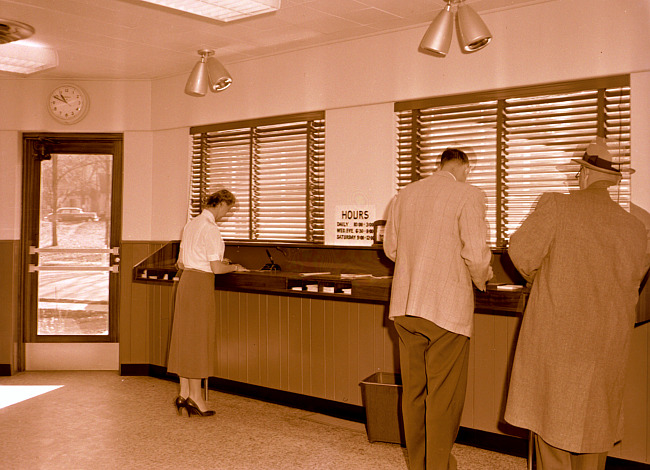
(72, 244)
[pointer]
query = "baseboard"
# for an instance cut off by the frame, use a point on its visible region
(5, 370)
(502, 443)
(136, 369)
(614, 463)
(295, 400)
(279, 397)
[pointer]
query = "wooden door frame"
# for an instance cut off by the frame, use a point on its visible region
(36, 148)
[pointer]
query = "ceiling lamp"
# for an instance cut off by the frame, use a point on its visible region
(208, 73)
(438, 37)
(222, 10)
(473, 33)
(11, 31)
(20, 58)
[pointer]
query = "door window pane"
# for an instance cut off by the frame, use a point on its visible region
(74, 237)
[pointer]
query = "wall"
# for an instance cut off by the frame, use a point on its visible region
(116, 106)
(355, 82)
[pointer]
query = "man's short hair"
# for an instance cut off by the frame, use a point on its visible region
(452, 154)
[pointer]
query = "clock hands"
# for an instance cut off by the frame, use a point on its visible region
(60, 97)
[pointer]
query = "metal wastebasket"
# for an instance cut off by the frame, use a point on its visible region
(382, 398)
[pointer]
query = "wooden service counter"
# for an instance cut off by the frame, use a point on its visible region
(282, 336)
(357, 274)
(319, 326)
(359, 289)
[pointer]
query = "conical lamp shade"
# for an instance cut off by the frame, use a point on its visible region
(197, 83)
(219, 77)
(438, 37)
(474, 34)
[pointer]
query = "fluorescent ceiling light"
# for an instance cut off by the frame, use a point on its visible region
(222, 10)
(18, 58)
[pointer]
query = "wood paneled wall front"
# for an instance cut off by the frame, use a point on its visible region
(137, 306)
(324, 348)
(10, 331)
(315, 347)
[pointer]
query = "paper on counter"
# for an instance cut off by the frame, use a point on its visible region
(363, 276)
(509, 287)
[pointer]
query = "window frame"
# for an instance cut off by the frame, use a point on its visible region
(410, 155)
(284, 136)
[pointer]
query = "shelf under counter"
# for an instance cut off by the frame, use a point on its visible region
(495, 300)
(325, 286)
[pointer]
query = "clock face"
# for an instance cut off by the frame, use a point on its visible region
(68, 104)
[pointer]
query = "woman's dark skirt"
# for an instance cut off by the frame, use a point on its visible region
(191, 347)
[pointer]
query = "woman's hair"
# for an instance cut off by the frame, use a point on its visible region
(216, 198)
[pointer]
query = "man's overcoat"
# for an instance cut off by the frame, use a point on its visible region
(586, 257)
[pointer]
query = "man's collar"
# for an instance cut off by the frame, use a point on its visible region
(445, 172)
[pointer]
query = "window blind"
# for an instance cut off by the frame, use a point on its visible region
(275, 169)
(471, 126)
(520, 141)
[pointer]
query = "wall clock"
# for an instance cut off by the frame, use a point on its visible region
(68, 103)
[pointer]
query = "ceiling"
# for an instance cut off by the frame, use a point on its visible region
(128, 39)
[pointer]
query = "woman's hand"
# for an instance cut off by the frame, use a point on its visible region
(225, 266)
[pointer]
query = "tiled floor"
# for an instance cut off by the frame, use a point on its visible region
(100, 420)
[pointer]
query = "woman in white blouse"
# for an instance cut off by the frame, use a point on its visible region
(191, 348)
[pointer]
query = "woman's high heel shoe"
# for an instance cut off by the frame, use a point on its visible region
(180, 403)
(193, 408)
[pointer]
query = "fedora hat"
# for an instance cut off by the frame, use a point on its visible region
(597, 157)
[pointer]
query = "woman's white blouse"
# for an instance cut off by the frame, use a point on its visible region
(201, 243)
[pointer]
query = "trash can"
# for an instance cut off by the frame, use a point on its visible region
(382, 398)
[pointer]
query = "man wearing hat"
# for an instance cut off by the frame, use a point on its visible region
(586, 257)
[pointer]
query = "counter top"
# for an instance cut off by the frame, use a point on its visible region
(321, 272)
(359, 289)
(337, 287)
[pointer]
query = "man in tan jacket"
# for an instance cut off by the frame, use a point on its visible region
(437, 235)
(585, 257)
